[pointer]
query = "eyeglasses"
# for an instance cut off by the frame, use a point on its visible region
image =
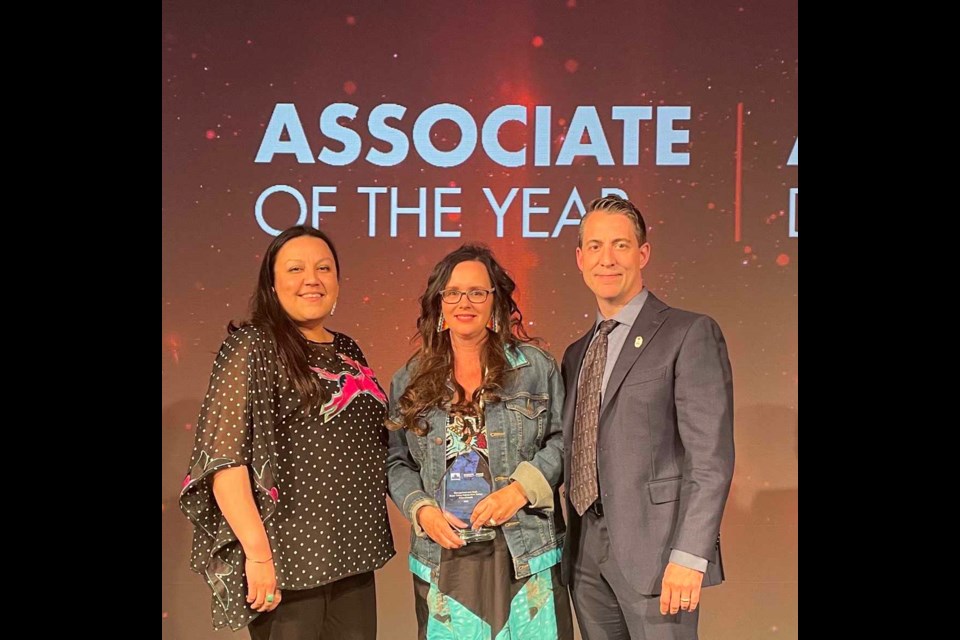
(452, 296)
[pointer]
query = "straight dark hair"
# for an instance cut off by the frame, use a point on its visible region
(267, 314)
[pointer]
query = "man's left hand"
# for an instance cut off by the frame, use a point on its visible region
(681, 589)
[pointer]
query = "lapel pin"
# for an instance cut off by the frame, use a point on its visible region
(637, 342)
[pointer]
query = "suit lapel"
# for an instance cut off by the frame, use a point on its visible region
(645, 327)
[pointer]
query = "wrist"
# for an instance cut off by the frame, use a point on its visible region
(419, 512)
(259, 552)
(522, 495)
(254, 561)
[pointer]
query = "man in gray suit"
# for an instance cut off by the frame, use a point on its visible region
(648, 444)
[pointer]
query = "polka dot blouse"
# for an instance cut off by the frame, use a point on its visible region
(319, 475)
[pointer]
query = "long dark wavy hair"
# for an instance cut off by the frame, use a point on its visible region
(267, 314)
(434, 360)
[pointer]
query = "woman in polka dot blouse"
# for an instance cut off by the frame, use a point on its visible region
(287, 481)
(478, 399)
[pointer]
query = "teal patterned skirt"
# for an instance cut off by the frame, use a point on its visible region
(477, 598)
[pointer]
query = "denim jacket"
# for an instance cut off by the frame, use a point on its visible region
(525, 445)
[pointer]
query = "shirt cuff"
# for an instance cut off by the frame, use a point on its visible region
(423, 501)
(538, 490)
(688, 560)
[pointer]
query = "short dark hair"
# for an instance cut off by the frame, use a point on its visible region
(616, 204)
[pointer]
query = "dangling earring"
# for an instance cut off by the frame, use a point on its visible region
(496, 325)
(493, 324)
(333, 308)
(441, 323)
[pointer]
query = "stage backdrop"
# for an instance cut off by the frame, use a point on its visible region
(406, 129)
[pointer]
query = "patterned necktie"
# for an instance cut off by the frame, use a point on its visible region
(583, 473)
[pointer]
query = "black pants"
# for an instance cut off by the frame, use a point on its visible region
(342, 610)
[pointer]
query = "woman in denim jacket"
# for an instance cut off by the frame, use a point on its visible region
(476, 386)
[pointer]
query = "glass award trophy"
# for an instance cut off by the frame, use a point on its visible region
(467, 481)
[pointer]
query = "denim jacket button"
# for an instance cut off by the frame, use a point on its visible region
(438, 440)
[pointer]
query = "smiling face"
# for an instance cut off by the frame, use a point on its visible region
(305, 280)
(468, 319)
(611, 259)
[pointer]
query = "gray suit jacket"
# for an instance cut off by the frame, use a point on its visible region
(665, 444)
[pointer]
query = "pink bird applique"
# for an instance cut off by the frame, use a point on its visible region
(351, 386)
